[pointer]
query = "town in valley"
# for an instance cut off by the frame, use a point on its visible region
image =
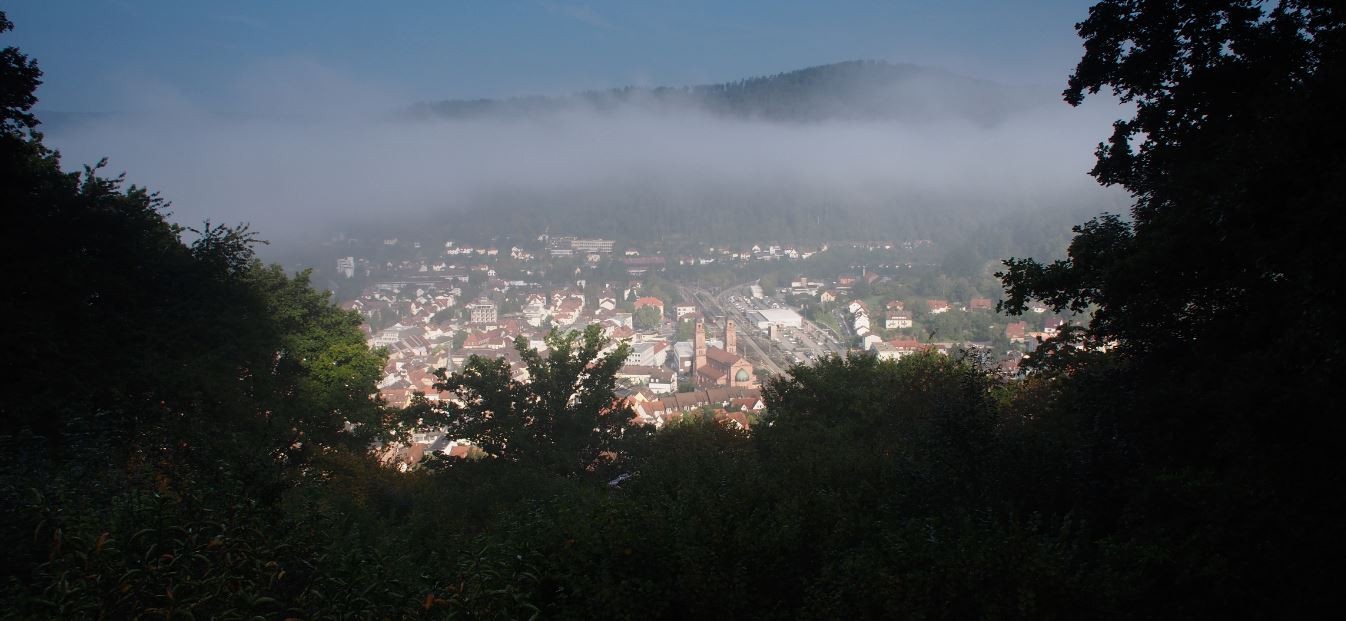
(706, 325)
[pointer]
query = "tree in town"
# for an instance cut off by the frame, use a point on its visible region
(563, 416)
(686, 329)
(647, 318)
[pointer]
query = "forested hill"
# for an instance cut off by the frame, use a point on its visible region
(696, 182)
(851, 90)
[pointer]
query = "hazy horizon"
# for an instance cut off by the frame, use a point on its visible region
(289, 134)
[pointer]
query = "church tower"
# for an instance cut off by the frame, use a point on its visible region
(730, 338)
(699, 344)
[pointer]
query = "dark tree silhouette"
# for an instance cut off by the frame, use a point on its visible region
(1234, 160)
(19, 79)
(1220, 295)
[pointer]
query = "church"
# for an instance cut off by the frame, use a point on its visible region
(713, 366)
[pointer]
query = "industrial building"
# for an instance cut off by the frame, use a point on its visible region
(782, 317)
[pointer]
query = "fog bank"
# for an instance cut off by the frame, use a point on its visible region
(299, 149)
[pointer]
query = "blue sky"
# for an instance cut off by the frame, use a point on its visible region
(94, 50)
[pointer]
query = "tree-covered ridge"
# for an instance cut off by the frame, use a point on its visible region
(720, 215)
(856, 90)
(852, 95)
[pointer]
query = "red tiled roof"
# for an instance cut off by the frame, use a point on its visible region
(710, 372)
(747, 403)
(738, 418)
(721, 356)
(908, 344)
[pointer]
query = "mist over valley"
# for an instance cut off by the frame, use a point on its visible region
(852, 150)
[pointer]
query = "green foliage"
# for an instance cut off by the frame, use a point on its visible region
(562, 418)
(686, 330)
(912, 418)
(459, 339)
(648, 318)
(194, 352)
(769, 283)
(1229, 157)
(348, 542)
(1217, 298)
(19, 79)
(870, 488)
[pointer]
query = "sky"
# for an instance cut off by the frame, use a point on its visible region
(92, 50)
(284, 114)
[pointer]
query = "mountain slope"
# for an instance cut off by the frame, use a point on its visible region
(851, 90)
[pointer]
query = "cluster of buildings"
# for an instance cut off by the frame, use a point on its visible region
(568, 246)
(424, 337)
(436, 312)
(440, 321)
(1020, 332)
(771, 251)
(720, 366)
(866, 325)
(737, 407)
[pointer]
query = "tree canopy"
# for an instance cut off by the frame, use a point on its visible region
(1233, 159)
(563, 416)
(647, 318)
(1217, 293)
(127, 335)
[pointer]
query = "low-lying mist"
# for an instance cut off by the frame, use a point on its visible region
(298, 152)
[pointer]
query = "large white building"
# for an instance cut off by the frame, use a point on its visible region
(782, 317)
(885, 351)
(648, 354)
(684, 354)
(592, 245)
(483, 311)
(346, 266)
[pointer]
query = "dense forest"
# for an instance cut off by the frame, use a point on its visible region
(787, 213)
(187, 432)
